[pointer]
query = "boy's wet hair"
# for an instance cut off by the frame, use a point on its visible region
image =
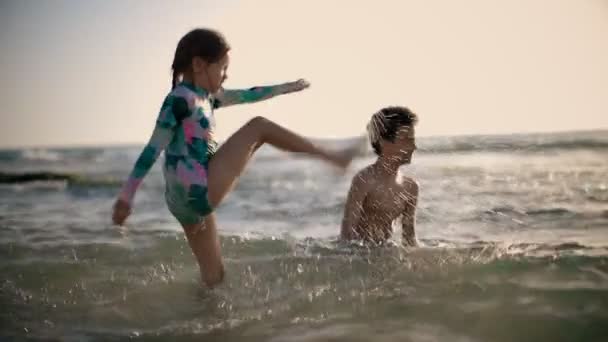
(207, 44)
(385, 124)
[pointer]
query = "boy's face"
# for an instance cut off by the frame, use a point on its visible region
(403, 147)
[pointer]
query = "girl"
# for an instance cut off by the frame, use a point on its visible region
(198, 174)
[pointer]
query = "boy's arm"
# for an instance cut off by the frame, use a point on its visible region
(353, 209)
(408, 219)
(229, 97)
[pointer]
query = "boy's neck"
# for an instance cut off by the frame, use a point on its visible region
(387, 166)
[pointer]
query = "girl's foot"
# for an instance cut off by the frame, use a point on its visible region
(345, 157)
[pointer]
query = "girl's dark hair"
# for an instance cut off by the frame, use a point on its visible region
(207, 44)
(385, 124)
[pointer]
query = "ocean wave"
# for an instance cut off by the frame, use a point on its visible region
(71, 179)
(73, 154)
(515, 143)
(41, 154)
(261, 247)
(10, 155)
(543, 212)
(31, 154)
(594, 141)
(551, 211)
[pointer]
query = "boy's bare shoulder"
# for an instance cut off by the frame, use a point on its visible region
(363, 177)
(409, 184)
(365, 172)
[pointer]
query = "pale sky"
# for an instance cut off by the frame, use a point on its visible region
(96, 72)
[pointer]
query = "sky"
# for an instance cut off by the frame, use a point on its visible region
(78, 73)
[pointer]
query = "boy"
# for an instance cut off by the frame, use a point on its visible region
(379, 194)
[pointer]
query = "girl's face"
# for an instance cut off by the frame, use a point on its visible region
(210, 76)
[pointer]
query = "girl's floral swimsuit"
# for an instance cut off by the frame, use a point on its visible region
(184, 129)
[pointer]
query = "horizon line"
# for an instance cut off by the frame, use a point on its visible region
(459, 135)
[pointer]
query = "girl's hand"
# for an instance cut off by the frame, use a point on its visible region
(122, 210)
(296, 86)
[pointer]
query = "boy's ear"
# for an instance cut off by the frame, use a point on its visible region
(382, 143)
(198, 64)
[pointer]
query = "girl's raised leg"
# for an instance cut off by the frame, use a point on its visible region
(232, 157)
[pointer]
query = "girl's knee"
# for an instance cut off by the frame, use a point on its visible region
(258, 122)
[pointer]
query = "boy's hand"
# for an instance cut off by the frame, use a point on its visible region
(122, 210)
(296, 86)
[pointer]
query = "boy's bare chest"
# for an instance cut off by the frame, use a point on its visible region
(388, 199)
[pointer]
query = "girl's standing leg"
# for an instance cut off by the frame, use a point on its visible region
(205, 244)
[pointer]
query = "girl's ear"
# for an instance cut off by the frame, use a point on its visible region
(198, 64)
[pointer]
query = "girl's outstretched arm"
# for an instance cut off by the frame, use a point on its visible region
(229, 97)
